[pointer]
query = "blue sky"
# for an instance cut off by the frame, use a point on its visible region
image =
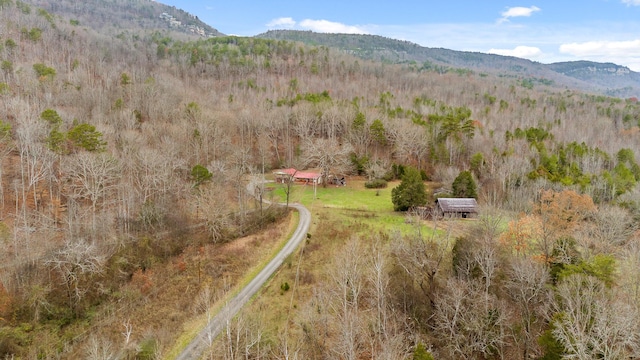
(541, 30)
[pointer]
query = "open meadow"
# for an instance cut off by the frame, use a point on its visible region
(363, 210)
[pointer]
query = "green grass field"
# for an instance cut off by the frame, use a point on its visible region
(371, 209)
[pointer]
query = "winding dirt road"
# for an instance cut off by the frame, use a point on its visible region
(205, 337)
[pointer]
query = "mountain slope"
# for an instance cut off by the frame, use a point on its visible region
(609, 79)
(117, 15)
(616, 78)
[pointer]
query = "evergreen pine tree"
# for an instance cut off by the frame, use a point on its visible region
(411, 191)
(464, 186)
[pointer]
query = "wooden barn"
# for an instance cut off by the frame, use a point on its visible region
(459, 207)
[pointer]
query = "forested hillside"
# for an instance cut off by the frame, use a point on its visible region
(125, 162)
(116, 16)
(606, 79)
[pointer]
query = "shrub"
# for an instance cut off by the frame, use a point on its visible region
(424, 176)
(10, 44)
(7, 66)
(359, 163)
(87, 137)
(147, 349)
(43, 71)
(420, 353)
(396, 172)
(389, 176)
(200, 174)
(376, 184)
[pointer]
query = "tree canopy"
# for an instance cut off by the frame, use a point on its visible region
(200, 174)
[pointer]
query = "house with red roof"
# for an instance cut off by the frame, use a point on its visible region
(291, 174)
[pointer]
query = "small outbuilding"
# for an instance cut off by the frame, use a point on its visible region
(458, 207)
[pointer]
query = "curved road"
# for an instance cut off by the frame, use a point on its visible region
(205, 337)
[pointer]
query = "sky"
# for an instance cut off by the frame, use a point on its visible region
(545, 31)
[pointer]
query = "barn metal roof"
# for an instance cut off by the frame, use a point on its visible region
(458, 205)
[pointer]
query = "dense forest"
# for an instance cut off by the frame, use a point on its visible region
(125, 161)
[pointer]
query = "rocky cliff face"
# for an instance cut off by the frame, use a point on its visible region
(587, 67)
(612, 79)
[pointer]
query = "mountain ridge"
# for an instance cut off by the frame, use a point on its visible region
(605, 78)
(113, 16)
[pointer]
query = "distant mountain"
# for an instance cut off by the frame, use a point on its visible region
(115, 16)
(609, 79)
(616, 78)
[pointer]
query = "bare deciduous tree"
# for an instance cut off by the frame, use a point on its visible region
(76, 260)
(527, 287)
(128, 330)
(329, 155)
(470, 323)
(36, 159)
(611, 227)
(100, 349)
(486, 259)
(629, 280)
(378, 277)
(6, 146)
(377, 168)
(211, 202)
(315, 324)
(595, 323)
(348, 283)
(287, 348)
(243, 339)
(410, 142)
(153, 173)
(422, 260)
(93, 177)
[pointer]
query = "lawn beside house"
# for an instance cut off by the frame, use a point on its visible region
(362, 208)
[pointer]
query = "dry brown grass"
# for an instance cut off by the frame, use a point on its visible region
(161, 301)
(278, 310)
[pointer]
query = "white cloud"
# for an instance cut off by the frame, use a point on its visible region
(326, 26)
(630, 48)
(631, 2)
(283, 22)
(520, 11)
(322, 26)
(625, 53)
(527, 52)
